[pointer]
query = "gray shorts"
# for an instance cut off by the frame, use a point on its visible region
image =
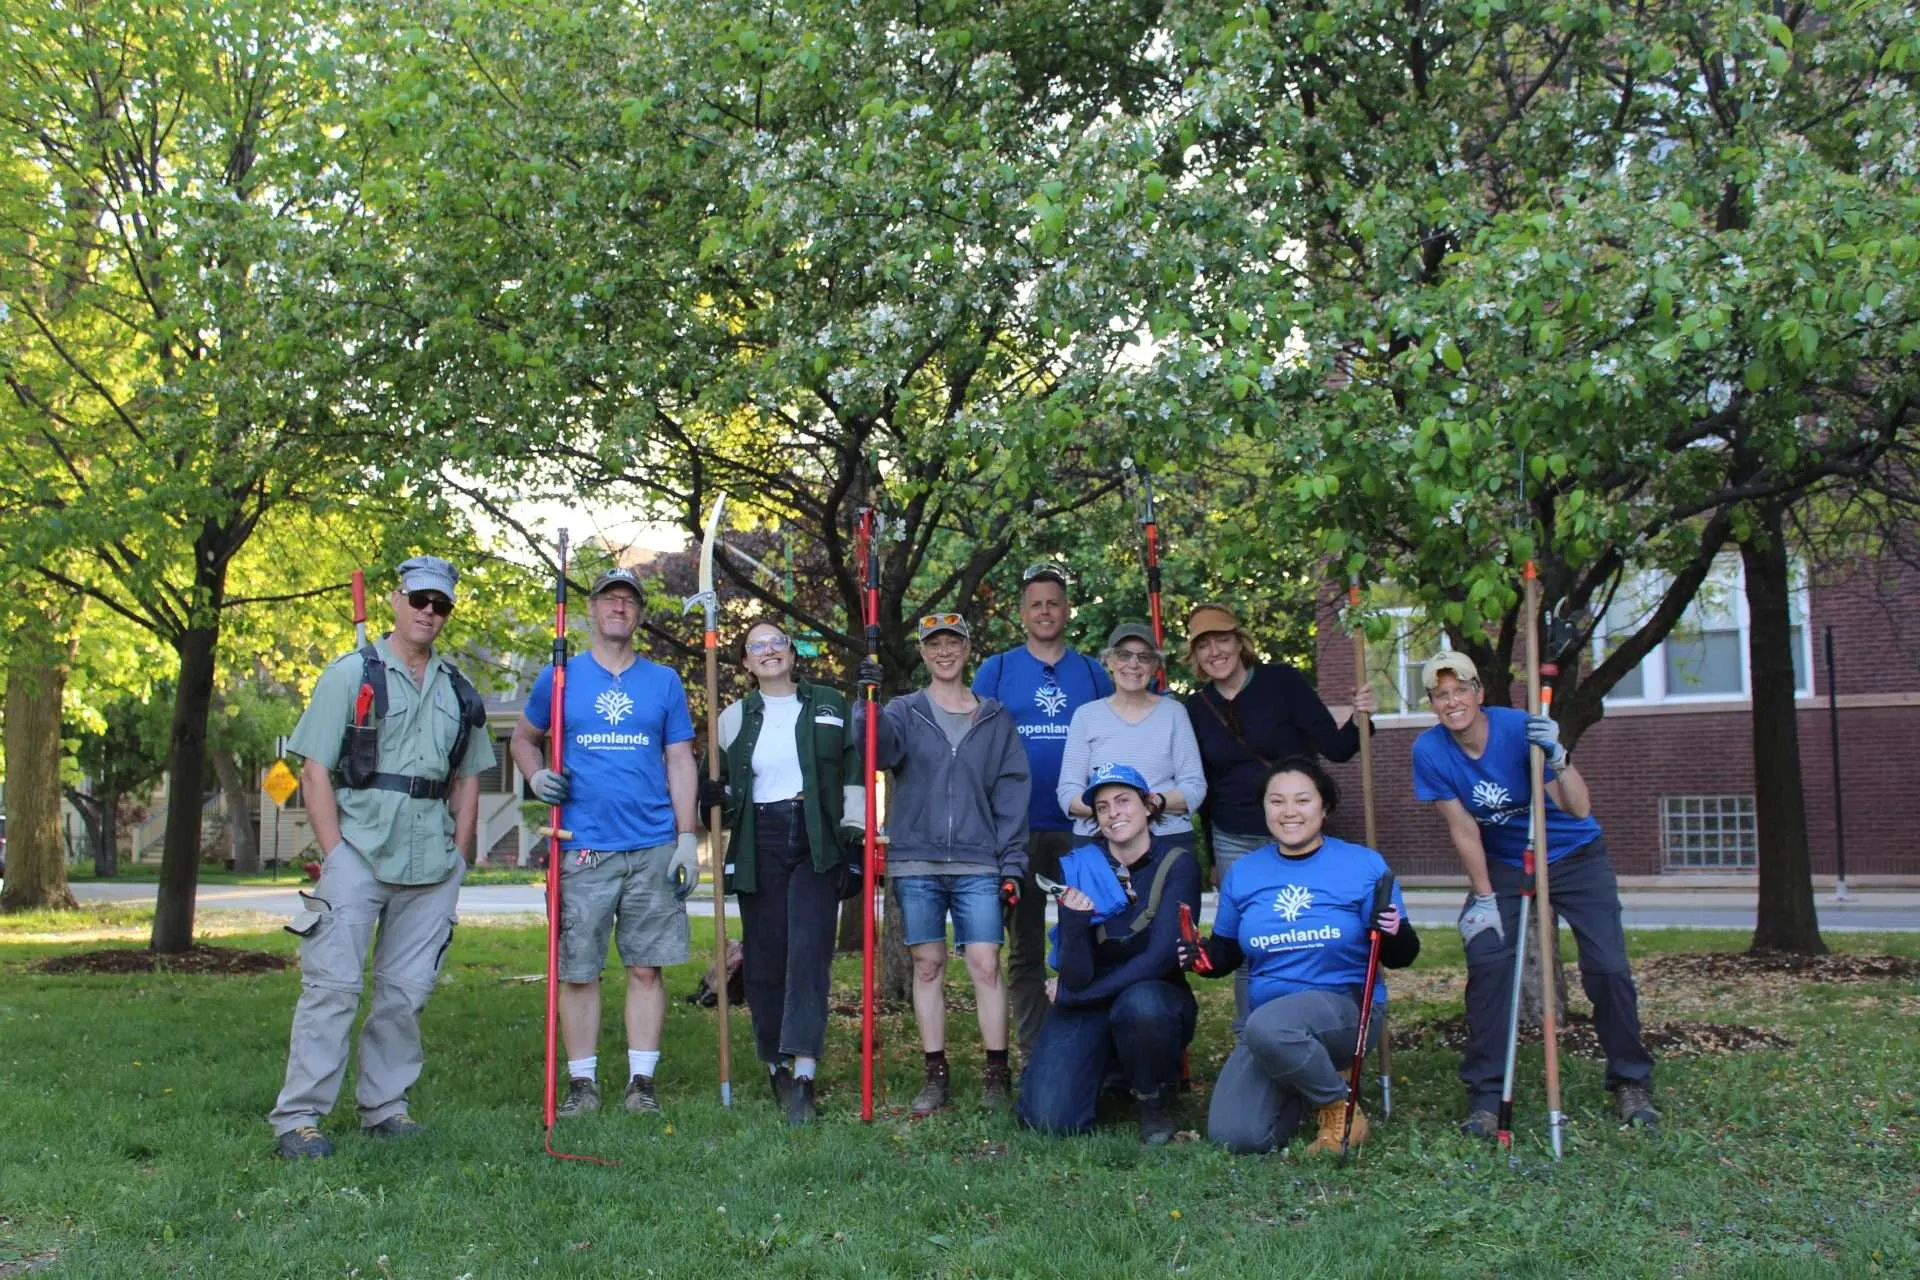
(631, 886)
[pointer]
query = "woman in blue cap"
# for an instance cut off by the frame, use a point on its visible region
(1120, 996)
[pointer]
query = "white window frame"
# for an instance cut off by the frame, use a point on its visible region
(1407, 619)
(1727, 575)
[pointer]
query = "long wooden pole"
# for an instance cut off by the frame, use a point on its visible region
(1543, 906)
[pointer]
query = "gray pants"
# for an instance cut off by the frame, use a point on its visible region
(1027, 938)
(1228, 848)
(415, 926)
(1287, 1061)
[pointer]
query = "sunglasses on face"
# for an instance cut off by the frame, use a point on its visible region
(440, 605)
(769, 644)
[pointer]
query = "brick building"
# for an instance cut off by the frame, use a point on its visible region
(1670, 764)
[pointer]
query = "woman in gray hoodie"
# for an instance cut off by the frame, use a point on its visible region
(956, 846)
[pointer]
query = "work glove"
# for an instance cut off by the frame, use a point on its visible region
(1192, 955)
(1544, 733)
(713, 794)
(683, 872)
(1480, 913)
(1389, 921)
(1010, 891)
(853, 868)
(550, 787)
(868, 672)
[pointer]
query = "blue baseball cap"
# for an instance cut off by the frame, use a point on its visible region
(1114, 775)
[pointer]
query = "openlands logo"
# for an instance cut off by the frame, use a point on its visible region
(613, 706)
(1291, 901)
(1050, 698)
(1494, 800)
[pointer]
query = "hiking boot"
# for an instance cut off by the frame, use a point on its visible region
(1481, 1124)
(640, 1097)
(780, 1079)
(304, 1143)
(933, 1096)
(996, 1087)
(1633, 1103)
(400, 1126)
(583, 1095)
(799, 1102)
(1157, 1124)
(1332, 1118)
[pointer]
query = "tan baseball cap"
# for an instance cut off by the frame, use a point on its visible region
(1209, 618)
(1448, 662)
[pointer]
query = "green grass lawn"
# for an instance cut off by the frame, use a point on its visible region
(132, 1143)
(289, 873)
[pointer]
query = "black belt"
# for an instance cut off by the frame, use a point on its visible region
(793, 802)
(406, 785)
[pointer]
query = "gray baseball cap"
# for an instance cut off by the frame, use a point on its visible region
(429, 573)
(617, 578)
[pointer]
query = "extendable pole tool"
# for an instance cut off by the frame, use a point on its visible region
(1150, 534)
(867, 522)
(707, 600)
(1364, 723)
(1382, 899)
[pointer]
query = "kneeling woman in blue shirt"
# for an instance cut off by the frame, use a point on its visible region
(1120, 996)
(1295, 911)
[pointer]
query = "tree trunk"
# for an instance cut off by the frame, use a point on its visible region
(186, 776)
(1786, 919)
(106, 854)
(242, 834)
(36, 680)
(1530, 980)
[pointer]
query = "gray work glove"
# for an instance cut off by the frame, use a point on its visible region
(549, 787)
(1543, 733)
(1480, 913)
(683, 872)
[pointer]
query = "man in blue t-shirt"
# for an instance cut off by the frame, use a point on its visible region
(1475, 769)
(1040, 683)
(626, 792)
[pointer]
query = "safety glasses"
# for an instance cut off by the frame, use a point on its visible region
(769, 644)
(440, 605)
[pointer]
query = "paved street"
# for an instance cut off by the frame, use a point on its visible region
(1870, 910)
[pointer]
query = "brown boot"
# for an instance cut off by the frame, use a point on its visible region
(1333, 1123)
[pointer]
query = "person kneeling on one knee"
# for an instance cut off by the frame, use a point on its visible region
(1296, 912)
(1120, 998)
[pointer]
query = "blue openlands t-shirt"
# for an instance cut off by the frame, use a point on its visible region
(617, 731)
(1303, 922)
(1496, 788)
(1042, 698)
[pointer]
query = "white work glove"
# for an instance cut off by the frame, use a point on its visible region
(683, 872)
(1543, 733)
(549, 787)
(1480, 913)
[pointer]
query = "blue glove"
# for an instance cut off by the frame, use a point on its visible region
(1543, 733)
(1480, 913)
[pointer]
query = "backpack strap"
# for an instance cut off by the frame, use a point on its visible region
(473, 714)
(1144, 921)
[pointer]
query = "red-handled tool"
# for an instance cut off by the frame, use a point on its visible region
(1190, 934)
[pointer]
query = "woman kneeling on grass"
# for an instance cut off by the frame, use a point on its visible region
(1296, 911)
(1120, 995)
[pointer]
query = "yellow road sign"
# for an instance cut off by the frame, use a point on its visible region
(280, 783)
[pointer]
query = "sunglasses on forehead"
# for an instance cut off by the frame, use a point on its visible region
(440, 605)
(928, 621)
(1046, 570)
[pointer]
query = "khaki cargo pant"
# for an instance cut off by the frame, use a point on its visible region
(414, 924)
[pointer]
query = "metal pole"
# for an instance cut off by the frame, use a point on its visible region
(1839, 804)
(868, 520)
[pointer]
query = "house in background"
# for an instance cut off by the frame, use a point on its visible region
(1670, 764)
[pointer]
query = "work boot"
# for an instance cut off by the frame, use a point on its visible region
(800, 1106)
(996, 1087)
(640, 1099)
(934, 1094)
(1481, 1124)
(780, 1079)
(1333, 1123)
(583, 1096)
(1633, 1103)
(304, 1143)
(1157, 1124)
(400, 1126)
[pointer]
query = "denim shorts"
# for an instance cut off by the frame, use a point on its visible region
(973, 901)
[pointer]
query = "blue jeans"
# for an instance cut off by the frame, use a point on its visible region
(973, 902)
(1146, 1028)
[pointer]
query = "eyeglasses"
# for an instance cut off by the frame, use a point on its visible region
(1046, 569)
(769, 644)
(1459, 693)
(440, 605)
(1135, 658)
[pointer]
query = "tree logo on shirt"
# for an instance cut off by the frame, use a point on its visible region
(1291, 901)
(1050, 698)
(613, 706)
(1494, 800)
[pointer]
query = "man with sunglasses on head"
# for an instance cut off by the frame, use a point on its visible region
(1474, 768)
(1041, 683)
(626, 793)
(393, 742)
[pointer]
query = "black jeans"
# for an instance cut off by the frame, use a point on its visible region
(1586, 896)
(1027, 937)
(786, 933)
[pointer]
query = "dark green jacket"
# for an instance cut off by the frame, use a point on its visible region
(830, 759)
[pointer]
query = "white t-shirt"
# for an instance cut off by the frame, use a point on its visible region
(776, 754)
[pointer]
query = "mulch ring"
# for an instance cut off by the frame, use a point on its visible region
(201, 958)
(1722, 966)
(1670, 1039)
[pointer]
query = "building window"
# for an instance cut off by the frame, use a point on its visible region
(497, 778)
(1393, 664)
(1705, 655)
(1709, 833)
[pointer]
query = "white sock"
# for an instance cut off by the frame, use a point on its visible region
(582, 1068)
(803, 1068)
(642, 1062)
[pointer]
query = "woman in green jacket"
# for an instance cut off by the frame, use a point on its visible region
(796, 808)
